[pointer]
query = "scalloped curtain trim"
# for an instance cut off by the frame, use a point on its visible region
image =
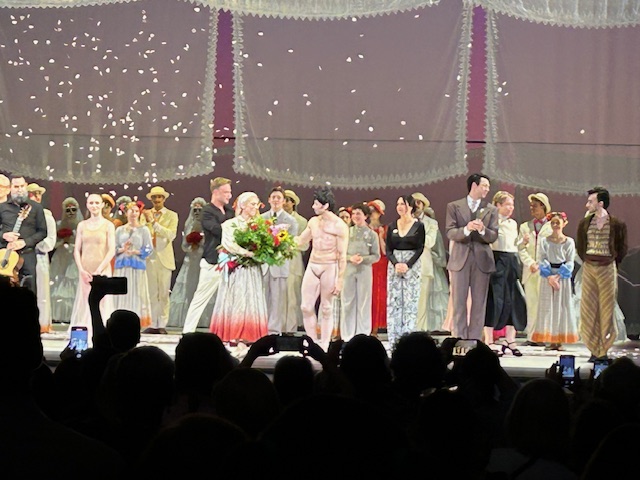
(299, 9)
(569, 13)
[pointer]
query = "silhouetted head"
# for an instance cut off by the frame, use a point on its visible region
(246, 397)
(201, 361)
(539, 419)
(417, 363)
(365, 362)
(293, 378)
(123, 328)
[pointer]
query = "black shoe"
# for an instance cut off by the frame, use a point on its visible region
(161, 331)
(592, 359)
(514, 351)
(150, 331)
(529, 343)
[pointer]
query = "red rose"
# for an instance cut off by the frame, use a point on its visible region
(65, 233)
(254, 227)
(276, 241)
(194, 238)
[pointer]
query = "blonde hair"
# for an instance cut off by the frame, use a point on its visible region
(218, 182)
(501, 196)
(243, 199)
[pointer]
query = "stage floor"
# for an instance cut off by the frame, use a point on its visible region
(532, 364)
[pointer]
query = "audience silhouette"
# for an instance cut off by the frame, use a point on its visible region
(122, 410)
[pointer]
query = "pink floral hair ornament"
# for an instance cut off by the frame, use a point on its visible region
(557, 214)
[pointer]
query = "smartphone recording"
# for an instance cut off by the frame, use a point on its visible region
(599, 366)
(79, 339)
(568, 369)
(288, 343)
(111, 285)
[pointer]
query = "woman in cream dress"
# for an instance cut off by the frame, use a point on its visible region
(187, 280)
(63, 271)
(94, 249)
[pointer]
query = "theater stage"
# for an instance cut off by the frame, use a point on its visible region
(532, 364)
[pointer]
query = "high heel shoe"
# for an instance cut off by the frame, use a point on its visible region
(514, 351)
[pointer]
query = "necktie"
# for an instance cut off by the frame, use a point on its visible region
(537, 225)
(275, 217)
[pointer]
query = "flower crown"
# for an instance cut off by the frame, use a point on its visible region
(562, 215)
(123, 207)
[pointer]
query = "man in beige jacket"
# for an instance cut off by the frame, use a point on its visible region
(163, 225)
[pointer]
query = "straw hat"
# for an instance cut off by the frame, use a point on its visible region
(542, 198)
(34, 187)
(108, 199)
(292, 195)
(425, 201)
(158, 191)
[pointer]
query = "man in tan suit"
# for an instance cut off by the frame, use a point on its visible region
(529, 237)
(163, 225)
(472, 226)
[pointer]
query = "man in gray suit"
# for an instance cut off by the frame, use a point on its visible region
(472, 226)
(275, 277)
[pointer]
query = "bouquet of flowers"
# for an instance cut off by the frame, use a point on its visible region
(65, 233)
(194, 238)
(270, 244)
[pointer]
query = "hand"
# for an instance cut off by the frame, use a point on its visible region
(356, 259)
(148, 216)
(309, 348)
(525, 239)
(534, 268)
(97, 292)
(337, 288)
(263, 347)
(479, 225)
(85, 276)
(401, 268)
(16, 245)
(472, 226)
(10, 236)
(554, 373)
(554, 282)
(249, 254)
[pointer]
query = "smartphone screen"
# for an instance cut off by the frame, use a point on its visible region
(289, 343)
(568, 366)
(79, 340)
(598, 367)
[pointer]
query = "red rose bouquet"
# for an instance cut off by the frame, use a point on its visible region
(65, 233)
(194, 238)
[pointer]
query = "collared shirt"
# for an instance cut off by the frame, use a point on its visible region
(473, 204)
(537, 224)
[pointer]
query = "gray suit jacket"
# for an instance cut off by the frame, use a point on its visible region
(458, 215)
(283, 217)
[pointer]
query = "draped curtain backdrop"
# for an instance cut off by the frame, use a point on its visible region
(354, 103)
(116, 92)
(113, 93)
(562, 95)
